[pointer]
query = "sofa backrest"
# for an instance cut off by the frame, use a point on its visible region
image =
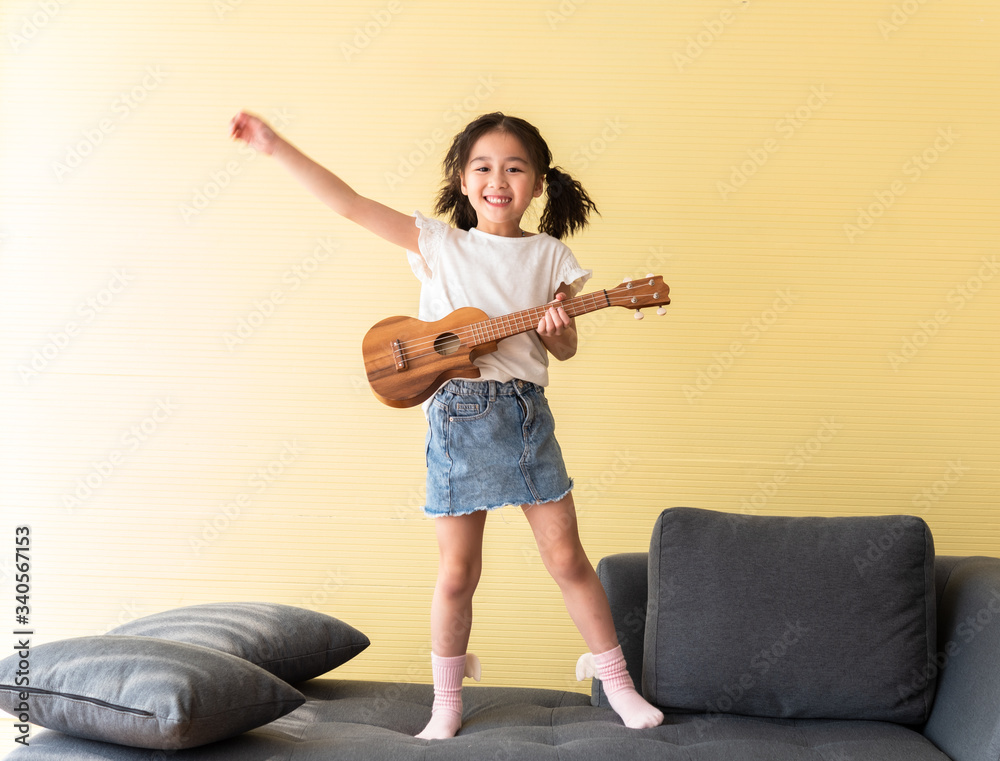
(781, 617)
(965, 722)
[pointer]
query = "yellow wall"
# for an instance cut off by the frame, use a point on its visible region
(181, 322)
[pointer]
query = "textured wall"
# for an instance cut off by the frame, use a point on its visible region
(185, 413)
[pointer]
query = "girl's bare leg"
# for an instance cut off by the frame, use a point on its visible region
(555, 528)
(460, 563)
(556, 532)
(460, 546)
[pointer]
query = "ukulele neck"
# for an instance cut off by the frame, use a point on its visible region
(498, 328)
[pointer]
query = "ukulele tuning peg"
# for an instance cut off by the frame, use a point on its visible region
(650, 274)
(638, 314)
(626, 279)
(661, 311)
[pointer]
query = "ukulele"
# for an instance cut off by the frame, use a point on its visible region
(407, 359)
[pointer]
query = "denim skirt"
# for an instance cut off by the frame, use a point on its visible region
(491, 444)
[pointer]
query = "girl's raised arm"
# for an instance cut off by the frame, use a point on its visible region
(392, 225)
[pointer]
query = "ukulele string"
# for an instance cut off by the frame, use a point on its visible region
(483, 329)
(504, 321)
(482, 332)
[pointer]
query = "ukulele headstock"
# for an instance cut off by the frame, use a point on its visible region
(640, 293)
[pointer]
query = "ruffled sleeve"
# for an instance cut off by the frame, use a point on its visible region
(431, 238)
(571, 273)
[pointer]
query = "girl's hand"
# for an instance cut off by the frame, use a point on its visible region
(557, 329)
(555, 319)
(254, 131)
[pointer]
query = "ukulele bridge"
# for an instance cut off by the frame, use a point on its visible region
(397, 356)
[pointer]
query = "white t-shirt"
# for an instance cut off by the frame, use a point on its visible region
(499, 275)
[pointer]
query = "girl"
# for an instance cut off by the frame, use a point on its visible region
(490, 442)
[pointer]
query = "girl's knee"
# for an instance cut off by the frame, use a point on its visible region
(567, 562)
(458, 577)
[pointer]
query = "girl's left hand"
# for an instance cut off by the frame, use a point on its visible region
(555, 319)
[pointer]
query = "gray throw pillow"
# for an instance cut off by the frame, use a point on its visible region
(791, 617)
(292, 643)
(143, 692)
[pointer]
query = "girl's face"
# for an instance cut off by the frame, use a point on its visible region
(500, 183)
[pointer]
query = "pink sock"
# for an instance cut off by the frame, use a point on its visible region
(628, 704)
(446, 714)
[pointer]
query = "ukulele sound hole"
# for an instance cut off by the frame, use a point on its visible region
(447, 343)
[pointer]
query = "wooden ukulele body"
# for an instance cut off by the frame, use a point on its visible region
(443, 355)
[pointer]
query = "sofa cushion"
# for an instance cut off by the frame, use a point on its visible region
(803, 617)
(141, 691)
(292, 643)
(350, 720)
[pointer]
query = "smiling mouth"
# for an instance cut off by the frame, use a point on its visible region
(498, 200)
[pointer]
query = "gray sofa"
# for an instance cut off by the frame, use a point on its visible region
(955, 693)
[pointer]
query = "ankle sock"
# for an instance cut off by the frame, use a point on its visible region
(446, 713)
(622, 695)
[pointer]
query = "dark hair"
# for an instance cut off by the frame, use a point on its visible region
(567, 205)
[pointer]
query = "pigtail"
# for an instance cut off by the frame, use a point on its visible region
(451, 201)
(567, 205)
